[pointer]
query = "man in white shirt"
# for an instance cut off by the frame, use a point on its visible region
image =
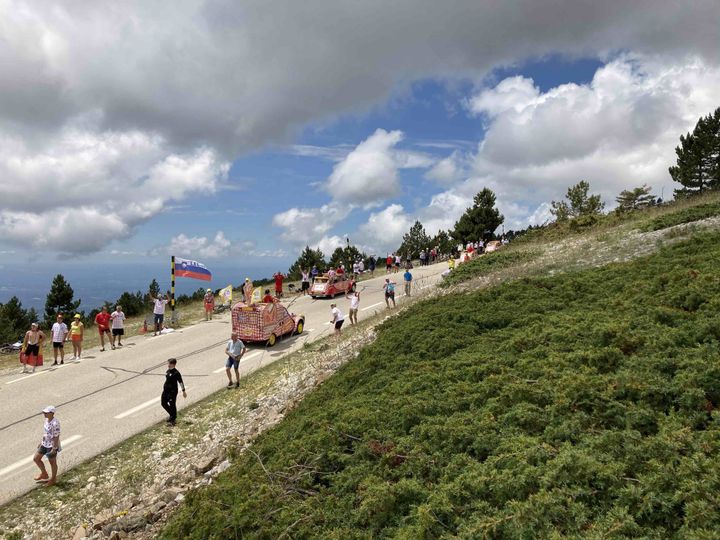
(59, 335)
(337, 319)
(118, 325)
(235, 350)
(354, 305)
(159, 311)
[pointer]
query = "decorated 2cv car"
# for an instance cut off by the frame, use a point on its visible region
(265, 322)
(324, 287)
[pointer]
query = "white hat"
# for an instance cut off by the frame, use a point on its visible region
(49, 409)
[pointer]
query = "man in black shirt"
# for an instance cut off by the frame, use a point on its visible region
(170, 390)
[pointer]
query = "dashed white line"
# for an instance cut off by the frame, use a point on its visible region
(372, 306)
(136, 409)
(27, 377)
(64, 443)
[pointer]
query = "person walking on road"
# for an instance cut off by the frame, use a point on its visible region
(159, 312)
(118, 326)
(59, 334)
(389, 289)
(209, 301)
(235, 350)
(407, 276)
(170, 391)
(354, 305)
(49, 446)
(102, 320)
(32, 343)
(337, 319)
(77, 331)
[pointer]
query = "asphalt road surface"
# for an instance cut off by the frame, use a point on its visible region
(112, 395)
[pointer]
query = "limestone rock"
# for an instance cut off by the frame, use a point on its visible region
(79, 533)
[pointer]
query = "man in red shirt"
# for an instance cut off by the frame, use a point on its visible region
(278, 284)
(267, 299)
(102, 320)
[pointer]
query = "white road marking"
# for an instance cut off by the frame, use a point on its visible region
(372, 306)
(246, 357)
(26, 377)
(64, 443)
(310, 330)
(137, 408)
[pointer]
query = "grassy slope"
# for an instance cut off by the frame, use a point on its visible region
(575, 405)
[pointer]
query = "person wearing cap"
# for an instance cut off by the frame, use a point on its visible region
(337, 319)
(49, 446)
(76, 335)
(59, 332)
(389, 289)
(170, 391)
(32, 343)
(159, 304)
(247, 291)
(209, 301)
(102, 320)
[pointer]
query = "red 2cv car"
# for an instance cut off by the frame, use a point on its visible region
(263, 322)
(324, 287)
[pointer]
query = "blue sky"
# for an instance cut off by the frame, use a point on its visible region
(241, 143)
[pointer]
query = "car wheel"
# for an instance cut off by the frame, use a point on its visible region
(300, 327)
(271, 340)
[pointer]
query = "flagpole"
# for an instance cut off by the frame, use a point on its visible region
(172, 287)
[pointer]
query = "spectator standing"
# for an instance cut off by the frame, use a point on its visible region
(49, 446)
(102, 320)
(248, 291)
(407, 276)
(59, 333)
(32, 343)
(337, 319)
(209, 301)
(451, 262)
(77, 330)
(433, 255)
(159, 304)
(389, 263)
(423, 256)
(235, 350)
(314, 273)
(304, 281)
(279, 284)
(398, 262)
(371, 266)
(389, 289)
(168, 398)
(354, 305)
(118, 326)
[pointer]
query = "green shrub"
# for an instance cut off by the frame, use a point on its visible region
(488, 263)
(578, 406)
(685, 215)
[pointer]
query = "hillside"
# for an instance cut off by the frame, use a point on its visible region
(573, 398)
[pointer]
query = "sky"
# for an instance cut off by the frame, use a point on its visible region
(239, 132)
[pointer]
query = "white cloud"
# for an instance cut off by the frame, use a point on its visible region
(368, 175)
(307, 225)
(384, 230)
(200, 246)
(448, 170)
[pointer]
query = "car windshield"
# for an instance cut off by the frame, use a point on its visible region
(321, 280)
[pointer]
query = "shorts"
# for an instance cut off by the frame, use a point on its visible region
(231, 362)
(159, 317)
(338, 324)
(397, 264)
(118, 331)
(353, 311)
(390, 295)
(305, 286)
(103, 330)
(77, 338)
(45, 451)
(32, 350)
(57, 344)
(209, 307)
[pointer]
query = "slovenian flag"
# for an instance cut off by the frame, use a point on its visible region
(191, 269)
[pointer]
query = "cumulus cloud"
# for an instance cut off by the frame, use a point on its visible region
(384, 230)
(200, 246)
(303, 225)
(617, 132)
(448, 170)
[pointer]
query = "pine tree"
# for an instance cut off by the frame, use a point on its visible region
(414, 241)
(640, 197)
(442, 242)
(308, 258)
(480, 220)
(59, 300)
(698, 157)
(14, 320)
(578, 204)
(153, 289)
(347, 256)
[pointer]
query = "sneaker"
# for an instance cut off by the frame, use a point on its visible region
(230, 384)
(62, 362)
(237, 384)
(102, 350)
(120, 345)
(113, 347)
(55, 363)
